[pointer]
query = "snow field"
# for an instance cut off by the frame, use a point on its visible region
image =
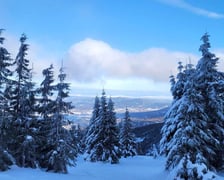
(132, 168)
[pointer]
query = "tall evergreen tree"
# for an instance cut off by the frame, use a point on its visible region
(77, 137)
(5, 74)
(127, 138)
(188, 143)
(191, 132)
(61, 151)
(22, 79)
(112, 135)
(22, 144)
(170, 125)
(29, 145)
(105, 139)
(177, 90)
(79, 134)
(45, 109)
(92, 128)
(210, 84)
(46, 92)
(57, 148)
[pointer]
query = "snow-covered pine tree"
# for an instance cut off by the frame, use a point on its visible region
(80, 136)
(22, 72)
(127, 138)
(105, 140)
(155, 152)
(111, 141)
(192, 135)
(77, 137)
(177, 90)
(28, 147)
(5, 74)
(210, 84)
(22, 143)
(188, 138)
(92, 127)
(45, 109)
(46, 92)
(62, 152)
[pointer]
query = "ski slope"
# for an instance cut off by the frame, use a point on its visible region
(133, 168)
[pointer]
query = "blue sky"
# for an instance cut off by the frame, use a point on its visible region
(118, 44)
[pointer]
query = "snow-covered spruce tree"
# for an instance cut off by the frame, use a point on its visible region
(5, 77)
(127, 138)
(112, 136)
(189, 142)
(177, 90)
(22, 144)
(188, 138)
(105, 140)
(153, 151)
(77, 137)
(62, 152)
(210, 84)
(46, 92)
(28, 147)
(92, 128)
(45, 109)
(5, 74)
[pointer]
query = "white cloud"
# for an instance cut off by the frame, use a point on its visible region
(220, 54)
(193, 9)
(95, 64)
(93, 60)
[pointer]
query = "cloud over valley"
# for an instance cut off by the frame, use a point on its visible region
(91, 60)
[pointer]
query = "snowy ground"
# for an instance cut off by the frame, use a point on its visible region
(136, 168)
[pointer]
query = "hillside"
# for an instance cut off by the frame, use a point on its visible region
(143, 111)
(148, 117)
(147, 136)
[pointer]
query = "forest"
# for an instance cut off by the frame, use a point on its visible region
(34, 129)
(35, 133)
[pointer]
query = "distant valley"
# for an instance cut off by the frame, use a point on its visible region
(143, 110)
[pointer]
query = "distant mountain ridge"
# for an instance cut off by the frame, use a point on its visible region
(147, 117)
(146, 114)
(143, 111)
(150, 114)
(138, 118)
